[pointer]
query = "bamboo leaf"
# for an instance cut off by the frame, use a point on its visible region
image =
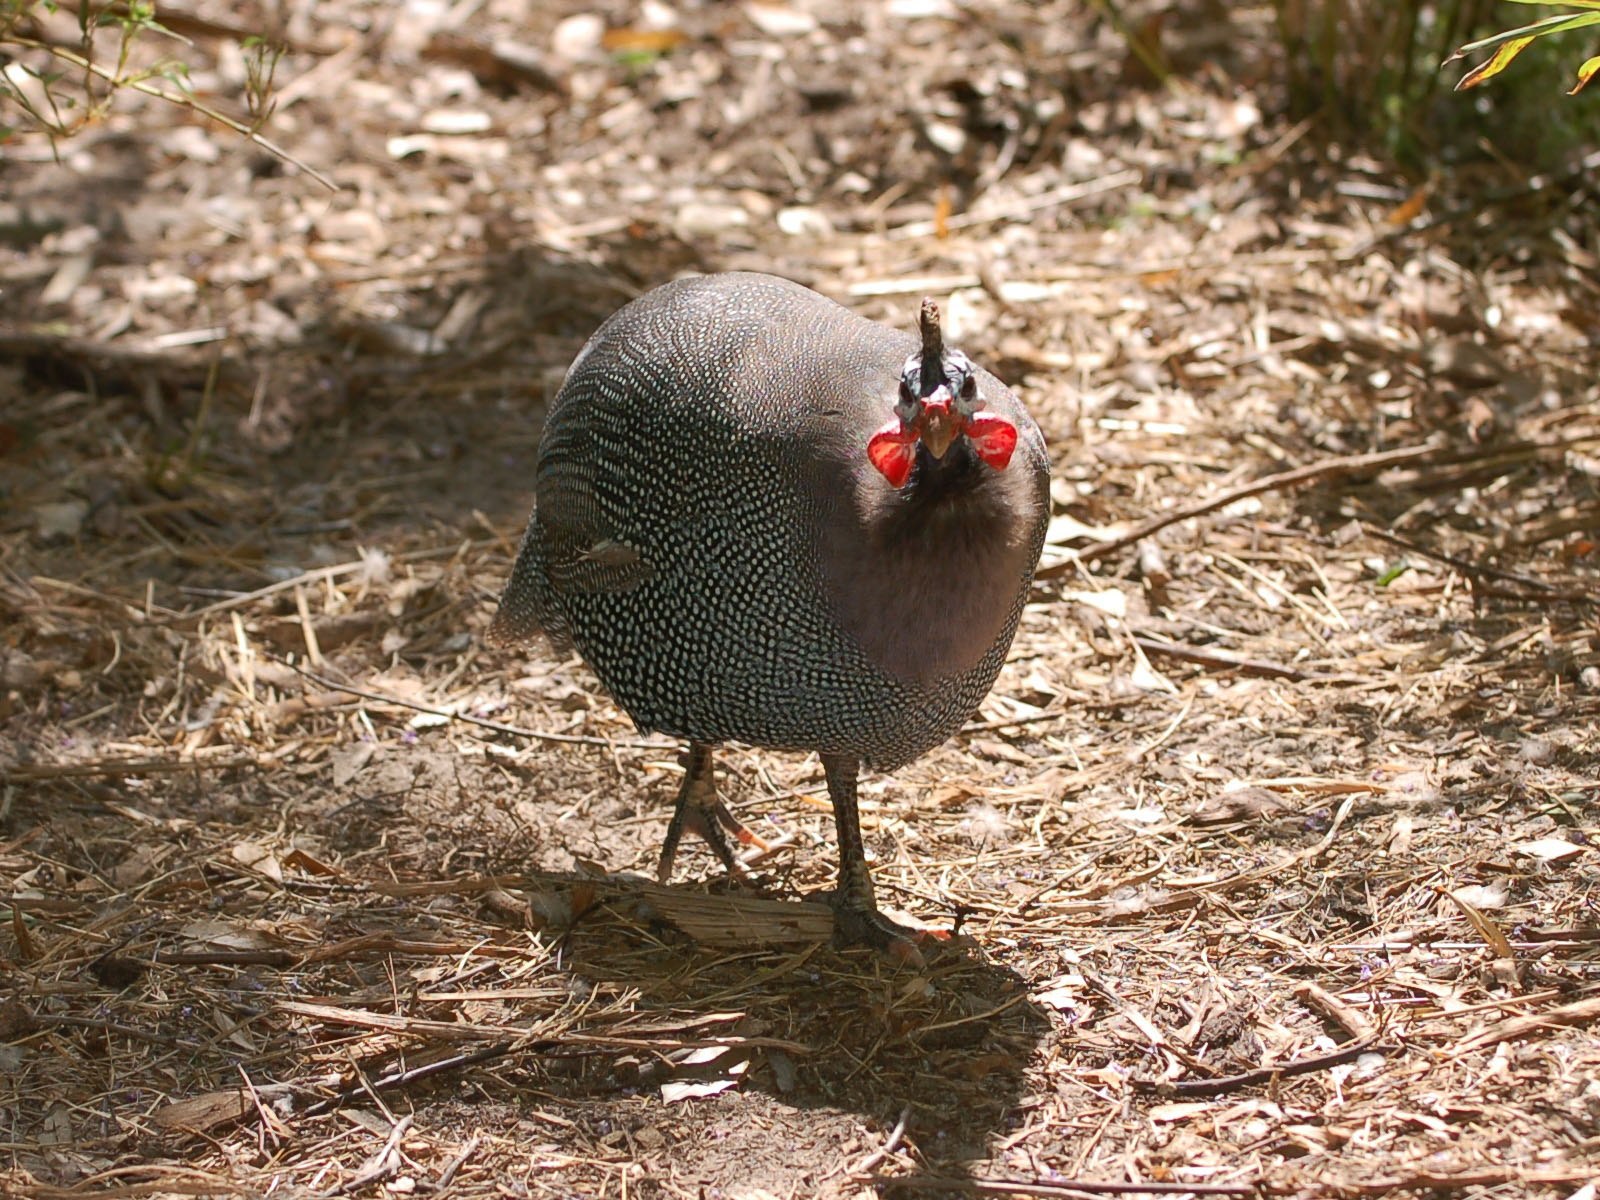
(1585, 73)
(1498, 62)
(1560, 23)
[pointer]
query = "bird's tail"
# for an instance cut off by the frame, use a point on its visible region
(526, 612)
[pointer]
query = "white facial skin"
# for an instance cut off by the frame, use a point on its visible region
(936, 416)
(937, 403)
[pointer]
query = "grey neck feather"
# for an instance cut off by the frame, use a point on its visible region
(927, 586)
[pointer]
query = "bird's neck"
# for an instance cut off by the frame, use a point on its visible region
(925, 577)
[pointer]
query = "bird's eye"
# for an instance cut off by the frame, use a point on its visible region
(969, 388)
(906, 404)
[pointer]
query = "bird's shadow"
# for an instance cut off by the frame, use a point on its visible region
(930, 1060)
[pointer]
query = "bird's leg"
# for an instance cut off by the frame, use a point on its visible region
(701, 813)
(856, 919)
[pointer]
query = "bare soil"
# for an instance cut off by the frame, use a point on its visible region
(1273, 852)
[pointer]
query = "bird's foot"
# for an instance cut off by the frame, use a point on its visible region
(861, 924)
(713, 824)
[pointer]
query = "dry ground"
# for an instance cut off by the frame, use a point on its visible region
(1273, 850)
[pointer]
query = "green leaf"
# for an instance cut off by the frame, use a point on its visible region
(1568, 3)
(1393, 572)
(1585, 73)
(1500, 60)
(1560, 23)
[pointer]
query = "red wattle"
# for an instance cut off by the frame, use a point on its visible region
(893, 451)
(992, 437)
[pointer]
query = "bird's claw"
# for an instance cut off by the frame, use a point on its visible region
(712, 824)
(858, 924)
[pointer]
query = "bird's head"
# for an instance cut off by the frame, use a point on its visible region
(937, 404)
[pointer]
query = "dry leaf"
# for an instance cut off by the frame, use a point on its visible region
(778, 20)
(1110, 601)
(226, 936)
(1400, 835)
(139, 865)
(1482, 895)
(1146, 678)
(19, 931)
(258, 857)
(60, 522)
(674, 1091)
(348, 761)
(1067, 528)
(302, 861)
(1551, 849)
(56, 1128)
(1064, 994)
(1173, 1113)
(1410, 208)
(1486, 927)
(642, 41)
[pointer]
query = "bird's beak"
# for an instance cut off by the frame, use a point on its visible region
(939, 425)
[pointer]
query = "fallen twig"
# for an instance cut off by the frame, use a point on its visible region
(146, 1179)
(109, 1028)
(1473, 572)
(227, 958)
(890, 1145)
(318, 575)
(120, 766)
(1487, 1177)
(1580, 1012)
(1352, 1021)
(1458, 469)
(454, 1165)
(457, 1031)
(1350, 464)
(382, 1164)
(403, 1078)
(1016, 210)
(1232, 1083)
(1238, 662)
(540, 735)
(1063, 1187)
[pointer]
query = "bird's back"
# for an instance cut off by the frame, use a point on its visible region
(705, 525)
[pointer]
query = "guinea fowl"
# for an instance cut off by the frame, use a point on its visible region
(762, 518)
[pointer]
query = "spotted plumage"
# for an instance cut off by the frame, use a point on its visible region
(712, 535)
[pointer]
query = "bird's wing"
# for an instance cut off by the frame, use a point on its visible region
(580, 489)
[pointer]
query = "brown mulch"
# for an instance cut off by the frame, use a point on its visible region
(1273, 853)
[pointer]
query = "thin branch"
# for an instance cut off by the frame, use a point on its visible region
(227, 958)
(120, 766)
(1208, 657)
(108, 1027)
(1261, 1075)
(181, 99)
(890, 1145)
(403, 1078)
(1476, 571)
(573, 739)
(1582, 1012)
(1350, 464)
(316, 575)
(1064, 1188)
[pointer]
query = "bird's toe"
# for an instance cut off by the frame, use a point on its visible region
(855, 925)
